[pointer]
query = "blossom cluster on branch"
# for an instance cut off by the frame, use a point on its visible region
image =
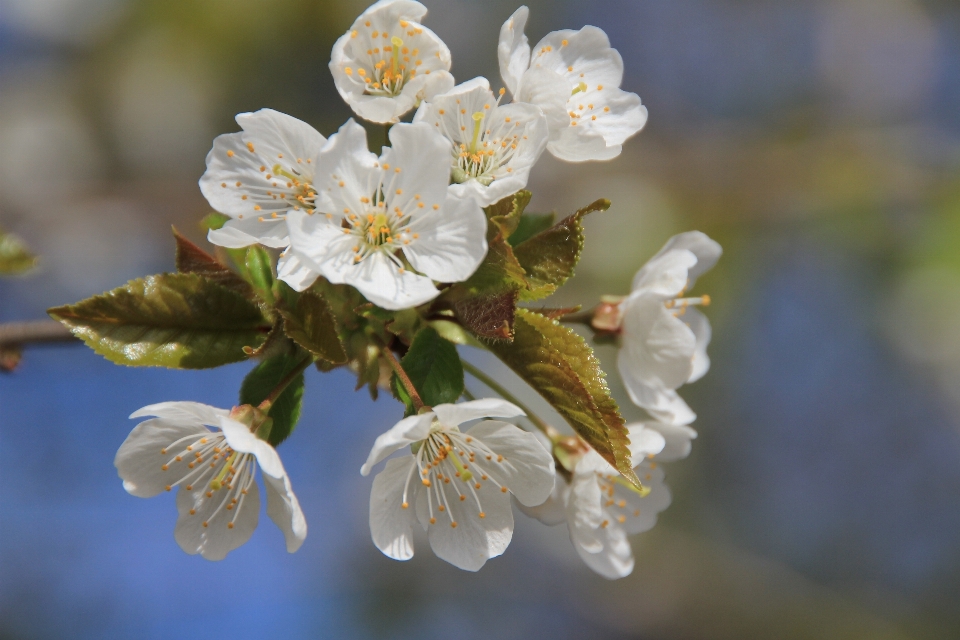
(391, 265)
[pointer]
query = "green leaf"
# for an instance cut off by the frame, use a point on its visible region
(179, 320)
(500, 271)
(562, 368)
(213, 221)
(433, 365)
(192, 259)
(531, 224)
(260, 272)
(308, 322)
(506, 213)
(258, 384)
(14, 256)
(549, 257)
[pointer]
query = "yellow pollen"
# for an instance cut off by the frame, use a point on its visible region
(442, 508)
(168, 487)
(605, 523)
(164, 467)
(404, 505)
(229, 153)
(193, 512)
(569, 68)
(256, 207)
(189, 487)
(433, 521)
(563, 43)
(453, 525)
(250, 146)
(503, 489)
(375, 34)
(353, 34)
(426, 482)
(362, 72)
(206, 524)
(229, 525)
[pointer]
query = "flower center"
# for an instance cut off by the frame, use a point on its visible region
(214, 468)
(453, 467)
(391, 68)
(489, 149)
(615, 506)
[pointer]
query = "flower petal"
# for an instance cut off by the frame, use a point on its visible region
(706, 250)
(402, 434)
(587, 51)
(382, 283)
(453, 415)
(281, 139)
(183, 413)
(549, 91)
(526, 468)
(141, 459)
(644, 442)
(419, 164)
(513, 49)
(613, 558)
(640, 513)
(391, 525)
(657, 347)
(347, 172)
(217, 539)
(240, 438)
(452, 241)
(284, 509)
(584, 509)
(296, 272)
(700, 326)
(474, 540)
(666, 274)
(667, 406)
(677, 440)
(553, 511)
(239, 233)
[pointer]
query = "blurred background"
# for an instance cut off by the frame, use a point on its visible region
(817, 141)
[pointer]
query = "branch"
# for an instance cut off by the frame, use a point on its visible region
(18, 334)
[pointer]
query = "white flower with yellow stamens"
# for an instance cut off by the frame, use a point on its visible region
(218, 499)
(601, 509)
(493, 147)
(664, 338)
(388, 225)
(457, 484)
(388, 62)
(574, 77)
(259, 175)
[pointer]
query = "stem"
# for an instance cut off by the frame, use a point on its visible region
(581, 317)
(15, 334)
(267, 403)
(539, 422)
(403, 377)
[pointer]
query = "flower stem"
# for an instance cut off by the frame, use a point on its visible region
(539, 422)
(267, 403)
(403, 377)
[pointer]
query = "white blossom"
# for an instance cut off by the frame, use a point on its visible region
(664, 337)
(574, 77)
(217, 498)
(492, 147)
(601, 509)
(257, 176)
(456, 484)
(388, 62)
(387, 225)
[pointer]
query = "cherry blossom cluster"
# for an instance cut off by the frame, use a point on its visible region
(399, 227)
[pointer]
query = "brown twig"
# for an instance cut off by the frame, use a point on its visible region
(20, 334)
(404, 378)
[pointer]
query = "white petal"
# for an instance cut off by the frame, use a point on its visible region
(588, 51)
(640, 513)
(217, 539)
(139, 460)
(553, 511)
(706, 250)
(613, 559)
(474, 540)
(274, 134)
(239, 233)
(320, 245)
(580, 144)
(677, 440)
(666, 274)
(452, 415)
(585, 510)
(666, 405)
(382, 283)
(657, 347)
(549, 91)
(626, 115)
(241, 439)
(284, 509)
(347, 172)
(513, 50)
(421, 155)
(295, 272)
(452, 241)
(183, 413)
(644, 442)
(391, 526)
(526, 468)
(700, 326)
(404, 433)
